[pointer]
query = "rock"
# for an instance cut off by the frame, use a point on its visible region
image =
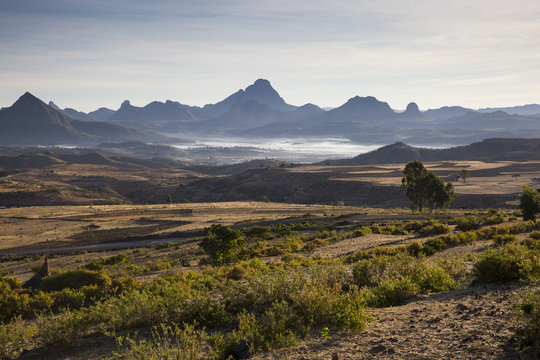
(36, 279)
(335, 356)
(377, 349)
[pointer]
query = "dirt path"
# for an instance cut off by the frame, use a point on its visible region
(474, 323)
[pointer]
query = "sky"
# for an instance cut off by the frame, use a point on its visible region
(86, 54)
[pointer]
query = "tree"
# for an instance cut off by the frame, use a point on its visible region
(464, 174)
(529, 202)
(425, 186)
(169, 199)
(413, 176)
(224, 245)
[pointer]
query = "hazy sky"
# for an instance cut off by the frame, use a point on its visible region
(90, 53)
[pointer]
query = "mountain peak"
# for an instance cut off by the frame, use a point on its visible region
(412, 108)
(125, 103)
(53, 105)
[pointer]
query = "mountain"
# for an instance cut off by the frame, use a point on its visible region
(261, 91)
(489, 149)
(446, 112)
(72, 113)
(31, 121)
(102, 113)
(159, 116)
(530, 109)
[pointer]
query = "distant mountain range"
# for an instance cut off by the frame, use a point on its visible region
(31, 121)
(258, 111)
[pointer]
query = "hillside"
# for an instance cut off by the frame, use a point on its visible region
(486, 150)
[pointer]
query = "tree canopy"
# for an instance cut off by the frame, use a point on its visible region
(423, 186)
(529, 202)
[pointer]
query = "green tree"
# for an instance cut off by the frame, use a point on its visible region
(529, 202)
(169, 199)
(425, 186)
(464, 174)
(224, 245)
(413, 180)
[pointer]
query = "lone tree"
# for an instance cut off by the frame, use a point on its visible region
(529, 203)
(464, 174)
(424, 186)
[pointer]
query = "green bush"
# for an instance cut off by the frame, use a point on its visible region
(391, 292)
(278, 327)
(224, 245)
(501, 240)
(435, 279)
(75, 279)
(415, 248)
(14, 338)
(508, 263)
(433, 229)
(167, 343)
(492, 219)
(101, 262)
(433, 245)
(349, 312)
(258, 233)
(362, 230)
(466, 223)
(282, 230)
(13, 305)
(529, 330)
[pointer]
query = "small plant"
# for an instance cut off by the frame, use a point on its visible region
(325, 333)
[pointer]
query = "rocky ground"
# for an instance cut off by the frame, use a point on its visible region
(474, 323)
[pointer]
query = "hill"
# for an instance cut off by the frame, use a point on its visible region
(486, 150)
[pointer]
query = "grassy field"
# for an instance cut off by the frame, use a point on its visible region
(291, 282)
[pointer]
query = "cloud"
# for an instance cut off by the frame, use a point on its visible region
(430, 51)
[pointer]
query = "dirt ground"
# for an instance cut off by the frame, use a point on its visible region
(475, 323)
(500, 177)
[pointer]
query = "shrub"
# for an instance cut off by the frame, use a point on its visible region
(113, 260)
(282, 230)
(168, 343)
(14, 304)
(14, 338)
(529, 331)
(74, 279)
(258, 233)
(494, 218)
(414, 248)
(511, 262)
(433, 245)
(433, 229)
(436, 279)
(500, 240)
(362, 230)
(391, 292)
(224, 245)
(349, 312)
(278, 327)
(466, 223)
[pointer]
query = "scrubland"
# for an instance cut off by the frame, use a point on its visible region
(276, 281)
